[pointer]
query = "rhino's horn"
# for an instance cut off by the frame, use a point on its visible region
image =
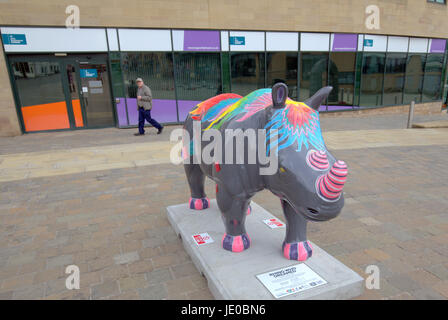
(320, 96)
(279, 95)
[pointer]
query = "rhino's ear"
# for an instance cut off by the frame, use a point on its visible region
(320, 96)
(279, 95)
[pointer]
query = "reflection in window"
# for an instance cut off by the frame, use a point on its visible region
(432, 83)
(247, 72)
(225, 69)
(282, 67)
(116, 74)
(342, 78)
(394, 78)
(313, 73)
(156, 70)
(415, 67)
(372, 79)
(198, 75)
(38, 82)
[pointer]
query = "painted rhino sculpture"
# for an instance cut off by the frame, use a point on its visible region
(308, 181)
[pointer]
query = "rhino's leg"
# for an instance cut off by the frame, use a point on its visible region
(196, 180)
(234, 211)
(295, 246)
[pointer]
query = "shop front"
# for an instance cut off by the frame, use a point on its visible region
(62, 92)
(66, 79)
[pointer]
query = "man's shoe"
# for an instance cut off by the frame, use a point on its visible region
(139, 134)
(160, 130)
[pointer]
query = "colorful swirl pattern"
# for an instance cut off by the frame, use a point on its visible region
(318, 160)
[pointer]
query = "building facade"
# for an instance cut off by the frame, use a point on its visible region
(58, 78)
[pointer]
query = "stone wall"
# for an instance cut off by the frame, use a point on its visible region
(397, 17)
(9, 123)
(420, 108)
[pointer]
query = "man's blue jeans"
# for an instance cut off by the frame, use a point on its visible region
(146, 115)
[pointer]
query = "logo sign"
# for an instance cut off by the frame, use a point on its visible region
(273, 223)
(14, 39)
(368, 42)
(89, 73)
(202, 238)
(238, 41)
(290, 280)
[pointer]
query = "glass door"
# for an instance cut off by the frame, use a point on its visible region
(41, 93)
(60, 93)
(95, 94)
(74, 95)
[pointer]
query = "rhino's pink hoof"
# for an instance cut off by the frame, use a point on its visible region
(199, 203)
(299, 251)
(249, 210)
(235, 243)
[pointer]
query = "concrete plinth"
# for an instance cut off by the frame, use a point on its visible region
(233, 275)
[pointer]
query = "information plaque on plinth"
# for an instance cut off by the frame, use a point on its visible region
(260, 272)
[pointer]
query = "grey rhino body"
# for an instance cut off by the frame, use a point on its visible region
(299, 185)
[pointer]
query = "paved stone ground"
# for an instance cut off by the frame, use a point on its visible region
(112, 224)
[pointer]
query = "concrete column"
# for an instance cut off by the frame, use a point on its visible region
(9, 122)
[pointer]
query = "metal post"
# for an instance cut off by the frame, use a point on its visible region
(411, 114)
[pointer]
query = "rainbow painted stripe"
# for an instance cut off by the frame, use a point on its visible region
(296, 122)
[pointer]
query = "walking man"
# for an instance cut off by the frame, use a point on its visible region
(144, 106)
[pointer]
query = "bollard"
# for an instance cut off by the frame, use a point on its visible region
(411, 114)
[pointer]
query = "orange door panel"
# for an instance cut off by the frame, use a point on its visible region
(49, 116)
(76, 105)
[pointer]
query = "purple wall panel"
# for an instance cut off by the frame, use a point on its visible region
(163, 111)
(438, 46)
(335, 108)
(345, 42)
(121, 113)
(184, 107)
(201, 40)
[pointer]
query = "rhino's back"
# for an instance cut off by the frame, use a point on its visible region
(216, 111)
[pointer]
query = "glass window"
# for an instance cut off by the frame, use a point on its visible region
(415, 67)
(41, 95)
(116, 74)
(282, 67)
(118, 88)
(394, 78)
(313, 73)
(38, 82)
(198, 75)
(225, 69)
(156, 70)
(372, 79)
(342, 78)
(432, 82)
(247, 72)
(358, 78)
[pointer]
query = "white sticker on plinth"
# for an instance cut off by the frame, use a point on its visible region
(202, 238)
(274, 223)
(290, 280)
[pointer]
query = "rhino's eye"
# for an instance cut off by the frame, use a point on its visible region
(317, 160)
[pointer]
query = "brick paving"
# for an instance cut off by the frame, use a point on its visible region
(112, 224)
